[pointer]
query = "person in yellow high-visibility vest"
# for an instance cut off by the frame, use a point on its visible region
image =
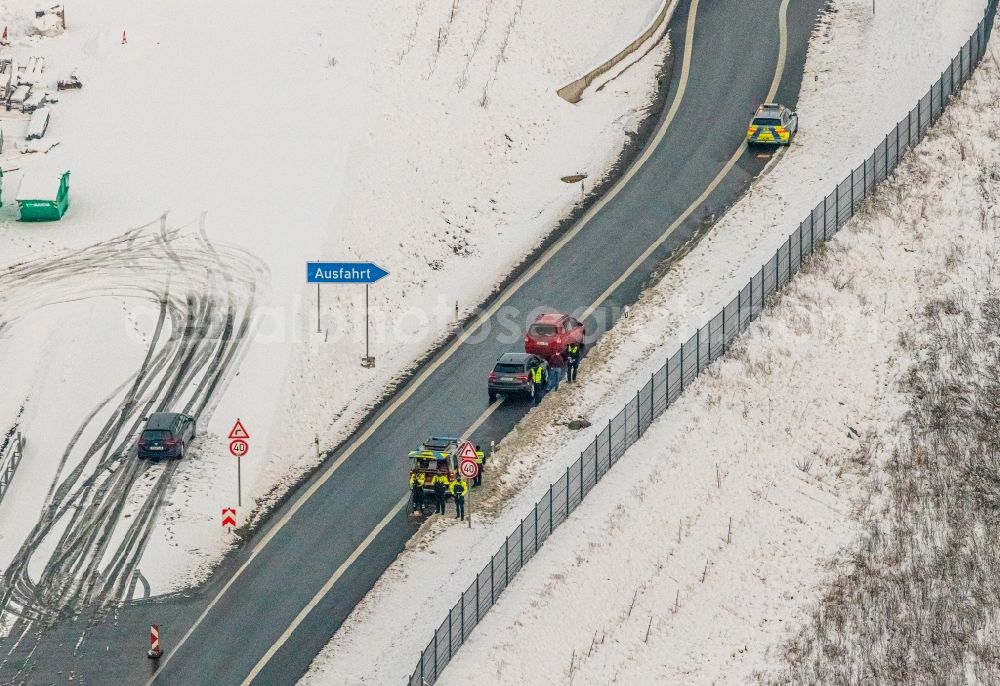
(481, 461)
(417, 489)
(440, 484)
(538, 382)
(573, 353)
(458, 489)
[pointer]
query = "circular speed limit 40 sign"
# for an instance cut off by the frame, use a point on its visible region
(239, 447)
(469, 469)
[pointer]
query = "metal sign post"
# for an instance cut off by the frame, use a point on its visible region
(367, 361)
(469, 469)
(239, 447)
(346, 272)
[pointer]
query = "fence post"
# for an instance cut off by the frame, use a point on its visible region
(852, 193)
(520, 538)
(897, 145)
(638, 416)
(697, 356)
(825, 211)
(930, 111)
(864, 176)
(423, 672)
(918, 120)
(836, 200)
(609, 444)
(536, 527)
(506, 563)
(789, 266)
(625, 424)
(739, 321)
(478, 593)
(550, 509)
(493, 583)
(597, 464)
(941, 96)
(581, 477)
(451, 641)
(435, 654)
(652, 378)
(567, 487)
(462, 613)
(812, 237)
(682, 367)
(961, 65)
(885, 158)
(723, 341)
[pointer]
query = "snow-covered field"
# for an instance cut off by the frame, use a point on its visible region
(910, 42)
(212, 154)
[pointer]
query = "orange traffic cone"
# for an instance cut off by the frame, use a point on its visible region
(124, 39)
(5, 33)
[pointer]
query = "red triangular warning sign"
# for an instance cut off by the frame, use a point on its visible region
(467, 451)
(238, 431)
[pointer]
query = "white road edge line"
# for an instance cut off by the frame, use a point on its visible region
(347, 563)
(455, 344)
(778, 72)
(321, 593)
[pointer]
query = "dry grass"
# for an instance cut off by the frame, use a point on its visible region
(920, 603)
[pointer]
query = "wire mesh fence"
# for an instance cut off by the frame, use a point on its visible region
(707, 344)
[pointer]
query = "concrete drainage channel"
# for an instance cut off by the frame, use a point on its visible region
(707, 344)
(573, 92)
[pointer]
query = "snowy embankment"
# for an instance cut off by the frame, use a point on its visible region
(424, 135)
(918, 601)
(910, 46)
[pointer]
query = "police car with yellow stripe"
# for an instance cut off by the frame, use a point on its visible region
(772, 124)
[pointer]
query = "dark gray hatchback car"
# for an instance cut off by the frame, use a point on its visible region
(166, 434)
(511, 375)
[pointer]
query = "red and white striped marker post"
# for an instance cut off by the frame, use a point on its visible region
(154, 642)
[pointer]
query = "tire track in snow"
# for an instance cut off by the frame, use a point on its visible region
(206, 296)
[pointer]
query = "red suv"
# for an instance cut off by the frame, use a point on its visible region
(551, 333)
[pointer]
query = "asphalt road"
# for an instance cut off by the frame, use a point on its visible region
(273, 605)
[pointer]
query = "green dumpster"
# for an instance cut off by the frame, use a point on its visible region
(43, 197)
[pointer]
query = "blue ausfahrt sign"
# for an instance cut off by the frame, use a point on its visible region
(343, 272)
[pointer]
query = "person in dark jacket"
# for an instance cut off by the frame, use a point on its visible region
(573, 353)
(556, 365)
(440, 484)
(458, 489)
